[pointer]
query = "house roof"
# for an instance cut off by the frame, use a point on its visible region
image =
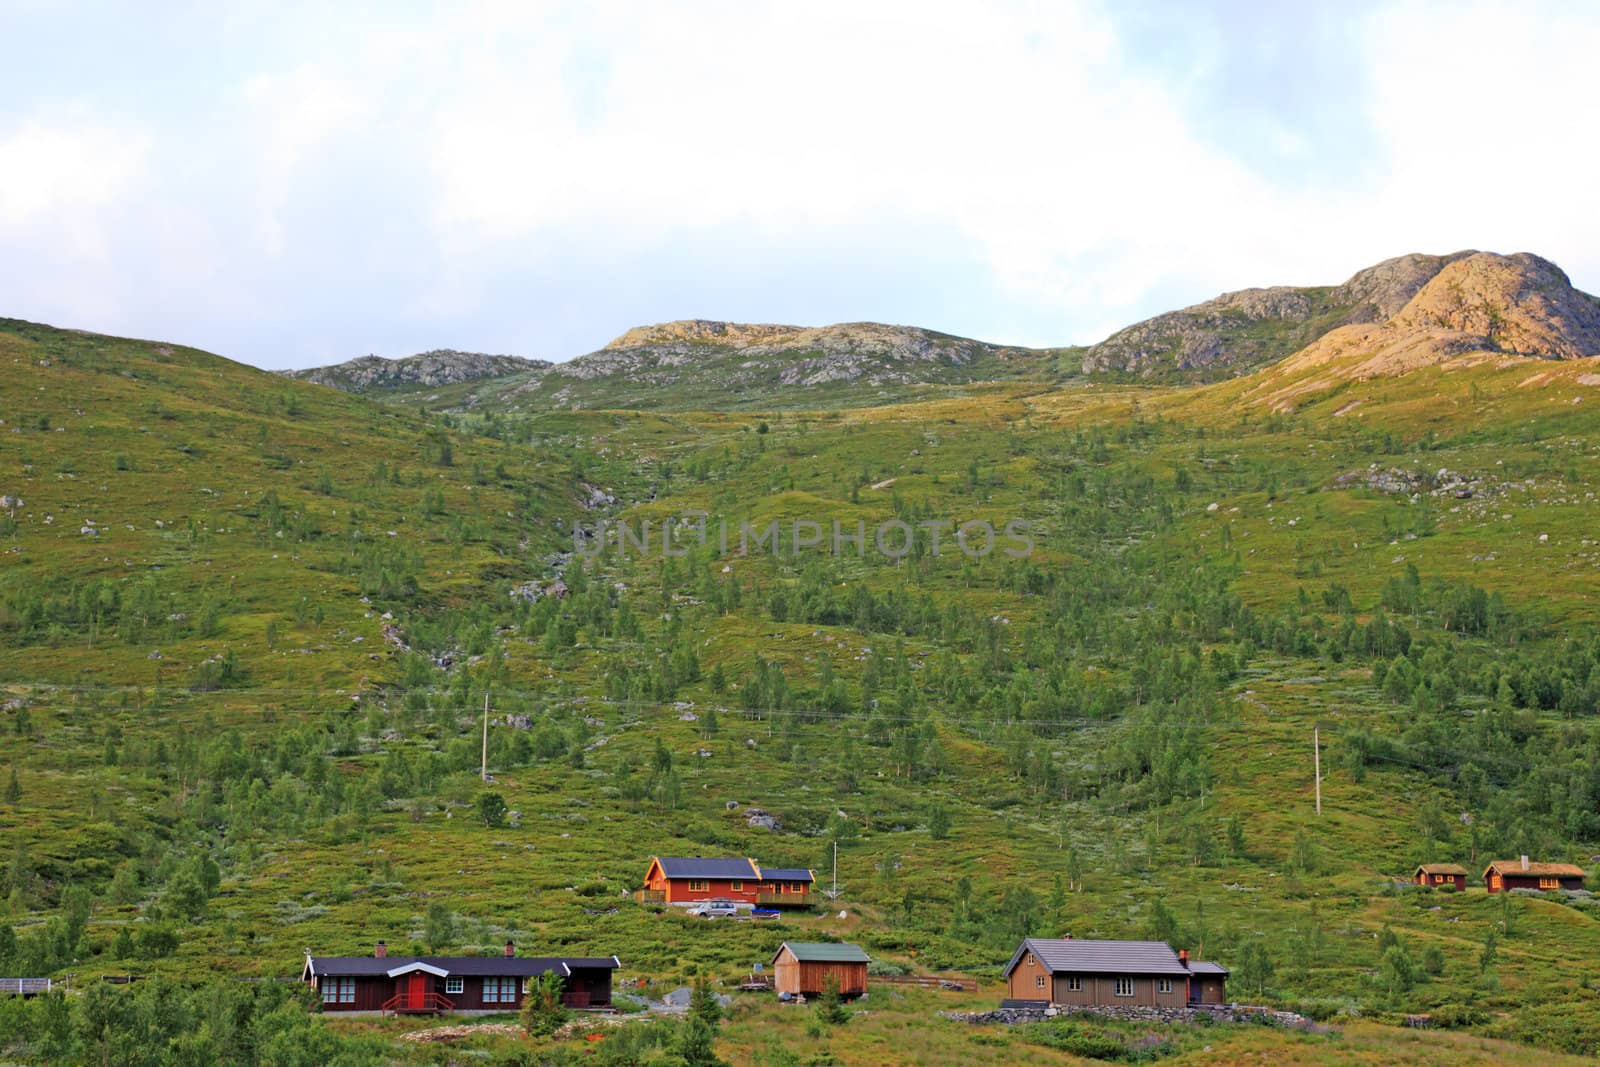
(824, 952)
(1442, 868)
(695, 867)
(1100, 957)
(786, 874)
(440, 966)
(1549, 870)
(1203, 967)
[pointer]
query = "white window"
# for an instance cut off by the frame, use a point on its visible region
(1164, 986)
(454, 985)
(499, 990)
(1038, 981)
(338, 991)
(1075, 984)
(1124, 987)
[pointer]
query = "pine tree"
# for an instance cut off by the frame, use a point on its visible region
(13, 787)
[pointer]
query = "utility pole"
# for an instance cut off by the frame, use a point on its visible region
(1316, 762)
(483, 769)
(835, 871)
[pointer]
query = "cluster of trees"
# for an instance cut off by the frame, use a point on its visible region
(156, 1023)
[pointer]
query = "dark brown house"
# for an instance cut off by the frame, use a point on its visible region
(1105, 973)
(803, 967)
(1521, 874)
(1440, 874)
(431, 984)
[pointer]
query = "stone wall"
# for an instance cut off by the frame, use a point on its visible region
(1231, 1014)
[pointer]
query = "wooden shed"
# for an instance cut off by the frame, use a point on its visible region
(1441, 874)
(803, 967)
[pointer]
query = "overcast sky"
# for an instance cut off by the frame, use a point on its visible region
(291, 187)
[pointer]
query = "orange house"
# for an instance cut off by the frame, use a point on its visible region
(688, 880)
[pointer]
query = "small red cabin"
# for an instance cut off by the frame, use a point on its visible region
(1441, 874)
(689, 880)
(1504, 875)
(432, 984)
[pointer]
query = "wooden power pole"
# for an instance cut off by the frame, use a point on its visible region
(1316, 762)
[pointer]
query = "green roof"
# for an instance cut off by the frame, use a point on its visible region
(825, 952)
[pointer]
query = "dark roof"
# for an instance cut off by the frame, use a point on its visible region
(824, 952)
(1202, 967)
(512, 966)
(1100, 957)
(1442, 868)
(695, 867)
(786, 874)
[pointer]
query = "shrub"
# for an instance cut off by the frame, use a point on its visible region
(544, 1014)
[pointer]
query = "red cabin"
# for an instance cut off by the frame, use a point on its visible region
(1504, 875)
(1441, 874)
(689, 880)
(433, 984)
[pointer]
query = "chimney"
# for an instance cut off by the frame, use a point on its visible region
(511, 948)
(380, 950)
(1524, 862)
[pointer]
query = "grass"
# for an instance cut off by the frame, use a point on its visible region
(295, 876)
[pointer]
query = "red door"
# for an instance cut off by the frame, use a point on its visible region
(416, 990)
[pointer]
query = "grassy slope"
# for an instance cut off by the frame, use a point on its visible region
(337, 887)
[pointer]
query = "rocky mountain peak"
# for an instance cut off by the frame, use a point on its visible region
(1518, 304)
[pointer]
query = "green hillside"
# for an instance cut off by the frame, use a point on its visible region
(1110, 737)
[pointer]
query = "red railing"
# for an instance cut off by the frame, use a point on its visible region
(416, 1001)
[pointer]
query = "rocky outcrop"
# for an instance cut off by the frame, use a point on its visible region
(1380, 291)
(1243, 330)
(1479, 307)
(795, 355)
(1218, 335)
(442, 366)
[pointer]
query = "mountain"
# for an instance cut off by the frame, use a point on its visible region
(1240, 331)
(441, 366)
(1482, 307)
(699, 363)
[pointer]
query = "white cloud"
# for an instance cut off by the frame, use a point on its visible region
(297, 113)
(65, 177)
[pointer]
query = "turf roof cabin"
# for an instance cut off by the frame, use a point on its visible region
(1111, 973)
(426, 985)
(803, 967)
(1441, 874)
(1504, 875)
(689, 880)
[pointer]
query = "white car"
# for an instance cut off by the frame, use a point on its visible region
(712, 908)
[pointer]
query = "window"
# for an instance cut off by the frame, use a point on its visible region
(1075, 984)
(1124, 987)
(1164, 986)
(1031, 961)
(338, 991)
(1038, 981)
(697, 885)
(796, 887)
(454, 985)
(736, 887)
(1549, 883)
(499, 990)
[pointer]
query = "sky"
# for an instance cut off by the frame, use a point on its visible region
(298, 184)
